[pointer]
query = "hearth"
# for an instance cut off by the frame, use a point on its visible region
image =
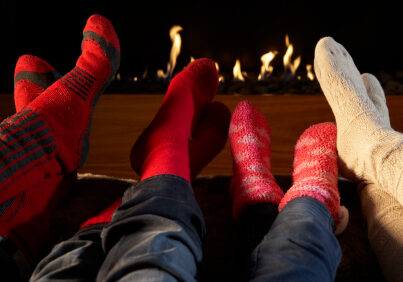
(289, 78)
(226, 32)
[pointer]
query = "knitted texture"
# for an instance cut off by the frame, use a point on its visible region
(163, 147)
(315, 168)
(370, 150)
(209, 136)
(68, 104)
(252, 180)
(384, 215)
(47, 139)
(31, 77)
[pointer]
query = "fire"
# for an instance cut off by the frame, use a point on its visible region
(291, 66)
(238, 75)
(220, 77)
(175, 50)
(309, 72)
(266, 69)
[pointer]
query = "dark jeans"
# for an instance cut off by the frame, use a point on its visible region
(157, 233)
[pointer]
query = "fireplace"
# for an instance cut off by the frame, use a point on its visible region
(227, 32)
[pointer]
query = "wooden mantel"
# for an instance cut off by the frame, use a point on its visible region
(119, 120)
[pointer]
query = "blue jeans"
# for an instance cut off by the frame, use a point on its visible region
(157, 234)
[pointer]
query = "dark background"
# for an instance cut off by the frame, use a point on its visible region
(220, 30)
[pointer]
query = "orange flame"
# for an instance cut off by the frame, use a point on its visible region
(220, 77)
(292, 66)
(175, 50)
(238, 74)
(309, 72)
(266, 69)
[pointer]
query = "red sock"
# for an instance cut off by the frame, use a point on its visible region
(25, 218)
(68, 104)
(104, 216)
(51, 134)
(25, 211)
(315, 168)
(31, 77)
(163, 146)
(252, 182)
(209, 137)
(49, 137)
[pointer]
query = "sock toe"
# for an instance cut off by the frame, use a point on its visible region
(33, 64)
(377, 95)
(103, 27)
(202, 76)
(31, 77)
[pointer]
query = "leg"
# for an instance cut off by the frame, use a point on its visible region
(157, 232)
(255, 192)
(48, 138)
(378, 164)
(359, 122)
(80, 257)
(76, 259)
(301, 243)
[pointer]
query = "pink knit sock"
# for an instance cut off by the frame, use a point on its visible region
(252, 180)
(315, 168)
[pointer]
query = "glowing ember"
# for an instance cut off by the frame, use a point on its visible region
(309, 72)
(266, 69)
(238, 75)
(289, 66)
(175, 50)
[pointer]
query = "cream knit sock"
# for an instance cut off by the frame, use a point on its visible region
(384, 214)
(370, 151)
(384, 217)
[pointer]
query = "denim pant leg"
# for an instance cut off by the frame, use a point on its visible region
(156, 234)
(300, 245)
(76, 259)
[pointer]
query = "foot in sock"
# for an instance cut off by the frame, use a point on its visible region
(163, 147)
(33, 143)
(315, 171)
(209, 136)
(252, 182)
(31, 77)
(67, 106)
(370, 150)
(55, 126)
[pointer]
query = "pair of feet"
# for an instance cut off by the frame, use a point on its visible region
(315, 165)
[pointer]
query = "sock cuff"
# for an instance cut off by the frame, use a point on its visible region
(257, 194)
(327, 194)
(104, 217)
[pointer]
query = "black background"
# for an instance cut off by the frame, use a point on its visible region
(220, 30)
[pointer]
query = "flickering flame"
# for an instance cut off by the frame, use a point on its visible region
(220, 77)
(175, 50)
(309, 72)
(238, 75)
(191, 59)
(292, 66)
(266, 69)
